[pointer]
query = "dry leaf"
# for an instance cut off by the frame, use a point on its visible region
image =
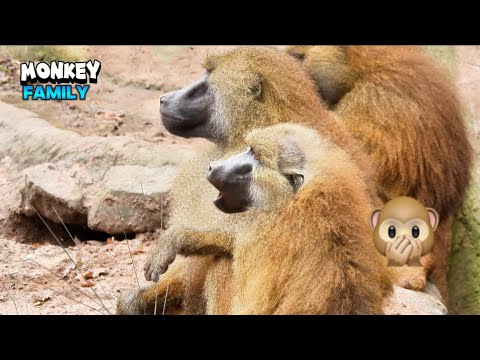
(40, 298)
(136, 252)
(87, 284)
(100, 272)
(36, 245)
(95, 273)
(110, 240)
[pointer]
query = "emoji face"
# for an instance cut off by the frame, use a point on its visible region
(404, 229)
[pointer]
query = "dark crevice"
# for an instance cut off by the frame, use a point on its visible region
(82, 232)
(30, 229)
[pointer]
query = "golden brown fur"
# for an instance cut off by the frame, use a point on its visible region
(286, 95)
(309, 252)
(404, 110)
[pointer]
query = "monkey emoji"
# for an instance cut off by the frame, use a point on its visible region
(303, 250)
(242, 89)
(403, 230)
(405, 111)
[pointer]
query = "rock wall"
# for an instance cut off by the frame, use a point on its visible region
(464, 274)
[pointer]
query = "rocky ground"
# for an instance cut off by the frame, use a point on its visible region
(80, 156)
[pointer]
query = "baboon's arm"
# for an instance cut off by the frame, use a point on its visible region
(193, 242)
(186, 242)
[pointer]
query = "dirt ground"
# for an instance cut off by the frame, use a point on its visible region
(125, 101)
(37, 274)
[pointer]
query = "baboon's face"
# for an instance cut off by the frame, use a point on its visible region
(210, 107)
(186, 112)
(233, 178)
(241, 90)
(247, 181)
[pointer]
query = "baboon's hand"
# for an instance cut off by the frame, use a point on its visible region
(398, 252)
(159, 260)
(131, 303)
(414, 259)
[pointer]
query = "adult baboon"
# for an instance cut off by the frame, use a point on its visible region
(404, 110)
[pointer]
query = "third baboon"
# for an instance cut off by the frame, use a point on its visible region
(404, 110)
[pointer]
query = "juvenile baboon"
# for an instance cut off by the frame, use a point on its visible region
(243, 89)
(306, 247)
(404, 110)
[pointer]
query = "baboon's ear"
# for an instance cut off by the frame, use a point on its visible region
(296, 180)
(433, 217)
(256, 87)
(210, 62)
(374, 218)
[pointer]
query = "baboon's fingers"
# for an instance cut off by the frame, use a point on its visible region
(150, 274)
(147, 269)
(155, 275)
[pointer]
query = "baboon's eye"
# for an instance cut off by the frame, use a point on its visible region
(415, 232)
(392, 231)
(256, 90)
(295, 180)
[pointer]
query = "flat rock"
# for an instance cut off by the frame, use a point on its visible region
(28, 141)
(410, 302)
(47, 190)
(133, 199)
(84, 175)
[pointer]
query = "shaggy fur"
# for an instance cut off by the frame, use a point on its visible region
(404, 110)
(309, 252)
(286, 94)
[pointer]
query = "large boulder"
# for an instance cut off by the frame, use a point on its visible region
(409, 302)
(133, 199)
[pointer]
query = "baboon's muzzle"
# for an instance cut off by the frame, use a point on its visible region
(232, 178)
